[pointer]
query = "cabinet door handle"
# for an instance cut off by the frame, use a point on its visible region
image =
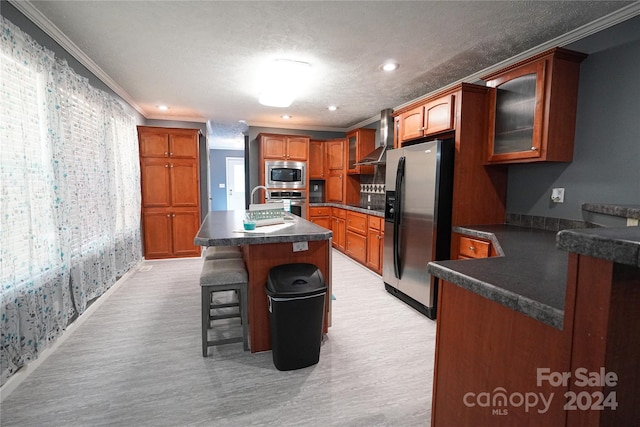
(171, 154)
(167, 165)
(166, 153)
(534, 149)
(471, 248)
(168, 215)
(173, 215)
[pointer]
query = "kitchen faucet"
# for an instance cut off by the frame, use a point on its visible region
(266, 192)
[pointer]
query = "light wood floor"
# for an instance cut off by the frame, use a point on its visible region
(137, 362)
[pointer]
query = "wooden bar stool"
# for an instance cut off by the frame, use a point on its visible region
(222, 252)
(219, 275)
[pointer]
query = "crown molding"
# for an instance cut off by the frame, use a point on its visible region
(598, 25)
(296, 126)
(34, 15)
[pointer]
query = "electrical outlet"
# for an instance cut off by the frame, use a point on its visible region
(557, 195)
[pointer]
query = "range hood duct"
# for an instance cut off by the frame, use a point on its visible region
(379, 155)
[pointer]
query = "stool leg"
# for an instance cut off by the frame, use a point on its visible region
(205, 319)
(244, 315)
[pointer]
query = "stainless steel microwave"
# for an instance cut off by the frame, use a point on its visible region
(285, 174)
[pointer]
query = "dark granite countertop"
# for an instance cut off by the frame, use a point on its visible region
(224, 228)
(529, 276)
(624, 211)
(619, 244)
(355, 208)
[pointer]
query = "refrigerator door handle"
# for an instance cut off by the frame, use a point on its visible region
(397, 216)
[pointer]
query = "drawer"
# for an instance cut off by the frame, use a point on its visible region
(473, 248)
(340, 213)
(319, 211)
(375, 222)
(357, 222)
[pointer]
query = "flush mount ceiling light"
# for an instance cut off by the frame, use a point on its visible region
(163, 107)
(332, 108)
(282, 80)
(286, 116)
(390, 66)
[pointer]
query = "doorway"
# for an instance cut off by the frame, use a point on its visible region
(235, 183)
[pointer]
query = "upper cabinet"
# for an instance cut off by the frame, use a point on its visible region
(360, 142)
(532, 112)
(163, 142)
(428, 119)
(316, 159)
(284, 147)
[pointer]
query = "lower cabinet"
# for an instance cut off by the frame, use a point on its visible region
(338, 226)
(320, 215)
(375, 244)
(356, 244)
(472, 247)
(170, 234)
(356, 234)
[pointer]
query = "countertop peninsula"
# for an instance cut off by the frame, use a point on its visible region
(564, 302)
(529, 275)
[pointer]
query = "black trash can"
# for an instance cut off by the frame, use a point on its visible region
(296, 294)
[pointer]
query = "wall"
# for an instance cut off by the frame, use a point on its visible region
(605, 167)
(218, 175)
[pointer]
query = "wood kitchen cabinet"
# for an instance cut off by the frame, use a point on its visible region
(169, 180)
(360, 142)
(284, 147)
(533, 108)
(320, 215)
(317, 155)
(170, 234)
(163, 142)
(473, 247)
(433, 117)
(340, 187)
(479, 191)
(356, 236)
(335, 154)
(338, 227)
(375, 243)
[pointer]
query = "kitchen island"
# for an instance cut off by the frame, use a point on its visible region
(264, 248)
(534, 336)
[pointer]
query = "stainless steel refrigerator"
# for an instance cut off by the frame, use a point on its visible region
(417, 225)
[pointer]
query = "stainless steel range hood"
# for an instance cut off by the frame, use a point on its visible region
(379, 155)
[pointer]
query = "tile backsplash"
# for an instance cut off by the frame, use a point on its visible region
(372, 190)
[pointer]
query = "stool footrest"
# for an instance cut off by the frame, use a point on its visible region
(225, 341)
(225, 305)
(224, 316)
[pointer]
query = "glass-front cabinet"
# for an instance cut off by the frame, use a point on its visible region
(533, 109)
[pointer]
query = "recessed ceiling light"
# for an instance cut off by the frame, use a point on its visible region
(332, 108)
(163, 107)
(390, 66)
(286, 116)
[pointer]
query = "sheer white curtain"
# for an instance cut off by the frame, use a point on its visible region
(70, 196)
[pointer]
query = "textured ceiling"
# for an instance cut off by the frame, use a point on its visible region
(201, 57)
